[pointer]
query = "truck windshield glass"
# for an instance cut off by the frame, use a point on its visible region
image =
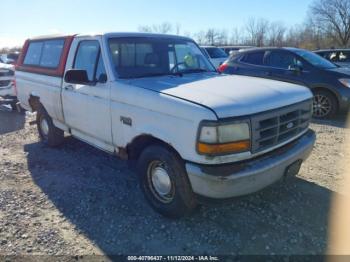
(315, 59)
(145, 57)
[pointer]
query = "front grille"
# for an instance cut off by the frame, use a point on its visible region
(5, 83)
(277, 126)
(7, 73)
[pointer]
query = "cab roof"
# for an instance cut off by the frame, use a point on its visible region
(112, 34)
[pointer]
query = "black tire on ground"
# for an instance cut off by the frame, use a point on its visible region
(51, 135)
(325, 104)
(180, 200)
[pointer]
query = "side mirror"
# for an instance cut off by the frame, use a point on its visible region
(76, 76)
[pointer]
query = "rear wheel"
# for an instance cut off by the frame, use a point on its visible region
(324, 104)
(49, 134)
(165, 183)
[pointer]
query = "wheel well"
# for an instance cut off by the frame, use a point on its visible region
(328, 91)
(135, 148)
(34, 102)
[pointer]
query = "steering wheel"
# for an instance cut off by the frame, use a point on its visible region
(176, 66)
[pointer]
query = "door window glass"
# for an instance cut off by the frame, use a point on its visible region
(100, 70)
(256, 58)
(87, 57)
(283, 60)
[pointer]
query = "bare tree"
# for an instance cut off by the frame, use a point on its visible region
(163, 28)
(333, 18)
(201, 37)
(178, 28)
(276, 34)
(257, 31)
(236, 36)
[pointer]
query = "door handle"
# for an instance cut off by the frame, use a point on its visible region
(68, 87)
(268, 73)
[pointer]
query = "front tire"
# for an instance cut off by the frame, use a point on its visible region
(49, 134)
(165, 183)
(324, 104)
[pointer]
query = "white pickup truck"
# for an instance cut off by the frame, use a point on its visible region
(157, 101)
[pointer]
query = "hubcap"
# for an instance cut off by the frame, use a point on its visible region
(322, 106)
(44, 126)
(160, 182)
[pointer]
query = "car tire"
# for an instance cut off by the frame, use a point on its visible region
(325, 104)
(49, 134)
(165, 183)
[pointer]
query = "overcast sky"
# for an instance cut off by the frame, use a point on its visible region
(27, 18)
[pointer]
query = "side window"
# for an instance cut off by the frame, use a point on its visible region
(51, 53)
(86, 57)
(33, 53)
(256, 58)
(282, 60)
(46, 53)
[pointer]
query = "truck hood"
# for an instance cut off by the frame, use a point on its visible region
(228, 96)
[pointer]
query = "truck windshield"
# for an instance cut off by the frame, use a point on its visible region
(137, 57)
(315, 59)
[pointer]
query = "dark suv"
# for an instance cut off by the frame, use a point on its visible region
(329, 82)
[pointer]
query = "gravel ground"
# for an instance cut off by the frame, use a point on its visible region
(77, 200)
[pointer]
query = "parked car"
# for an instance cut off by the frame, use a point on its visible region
(230, 50)
(329, 83)
(9, 58)
(157, 100)
(7, 90)
(340, 57)
(215, 54)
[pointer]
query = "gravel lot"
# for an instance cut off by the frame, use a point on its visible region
(76, 200)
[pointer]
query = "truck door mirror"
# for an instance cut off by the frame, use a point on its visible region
(76, 76)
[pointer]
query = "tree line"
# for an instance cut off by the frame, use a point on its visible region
(327, 25)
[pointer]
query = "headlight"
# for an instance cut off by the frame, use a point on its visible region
(220, 139)
(345, 82)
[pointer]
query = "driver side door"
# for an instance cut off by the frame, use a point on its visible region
(86, 107)
(282, 65)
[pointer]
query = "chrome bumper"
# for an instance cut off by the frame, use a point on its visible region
(226, 181)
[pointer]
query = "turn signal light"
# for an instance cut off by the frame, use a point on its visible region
(215, 149)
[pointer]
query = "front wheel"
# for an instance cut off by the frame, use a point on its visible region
(324, 104)
(49, 134)
(165, 183)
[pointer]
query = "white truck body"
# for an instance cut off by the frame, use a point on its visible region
(112, 115)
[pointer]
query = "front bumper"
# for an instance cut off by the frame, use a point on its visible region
(226, 181)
